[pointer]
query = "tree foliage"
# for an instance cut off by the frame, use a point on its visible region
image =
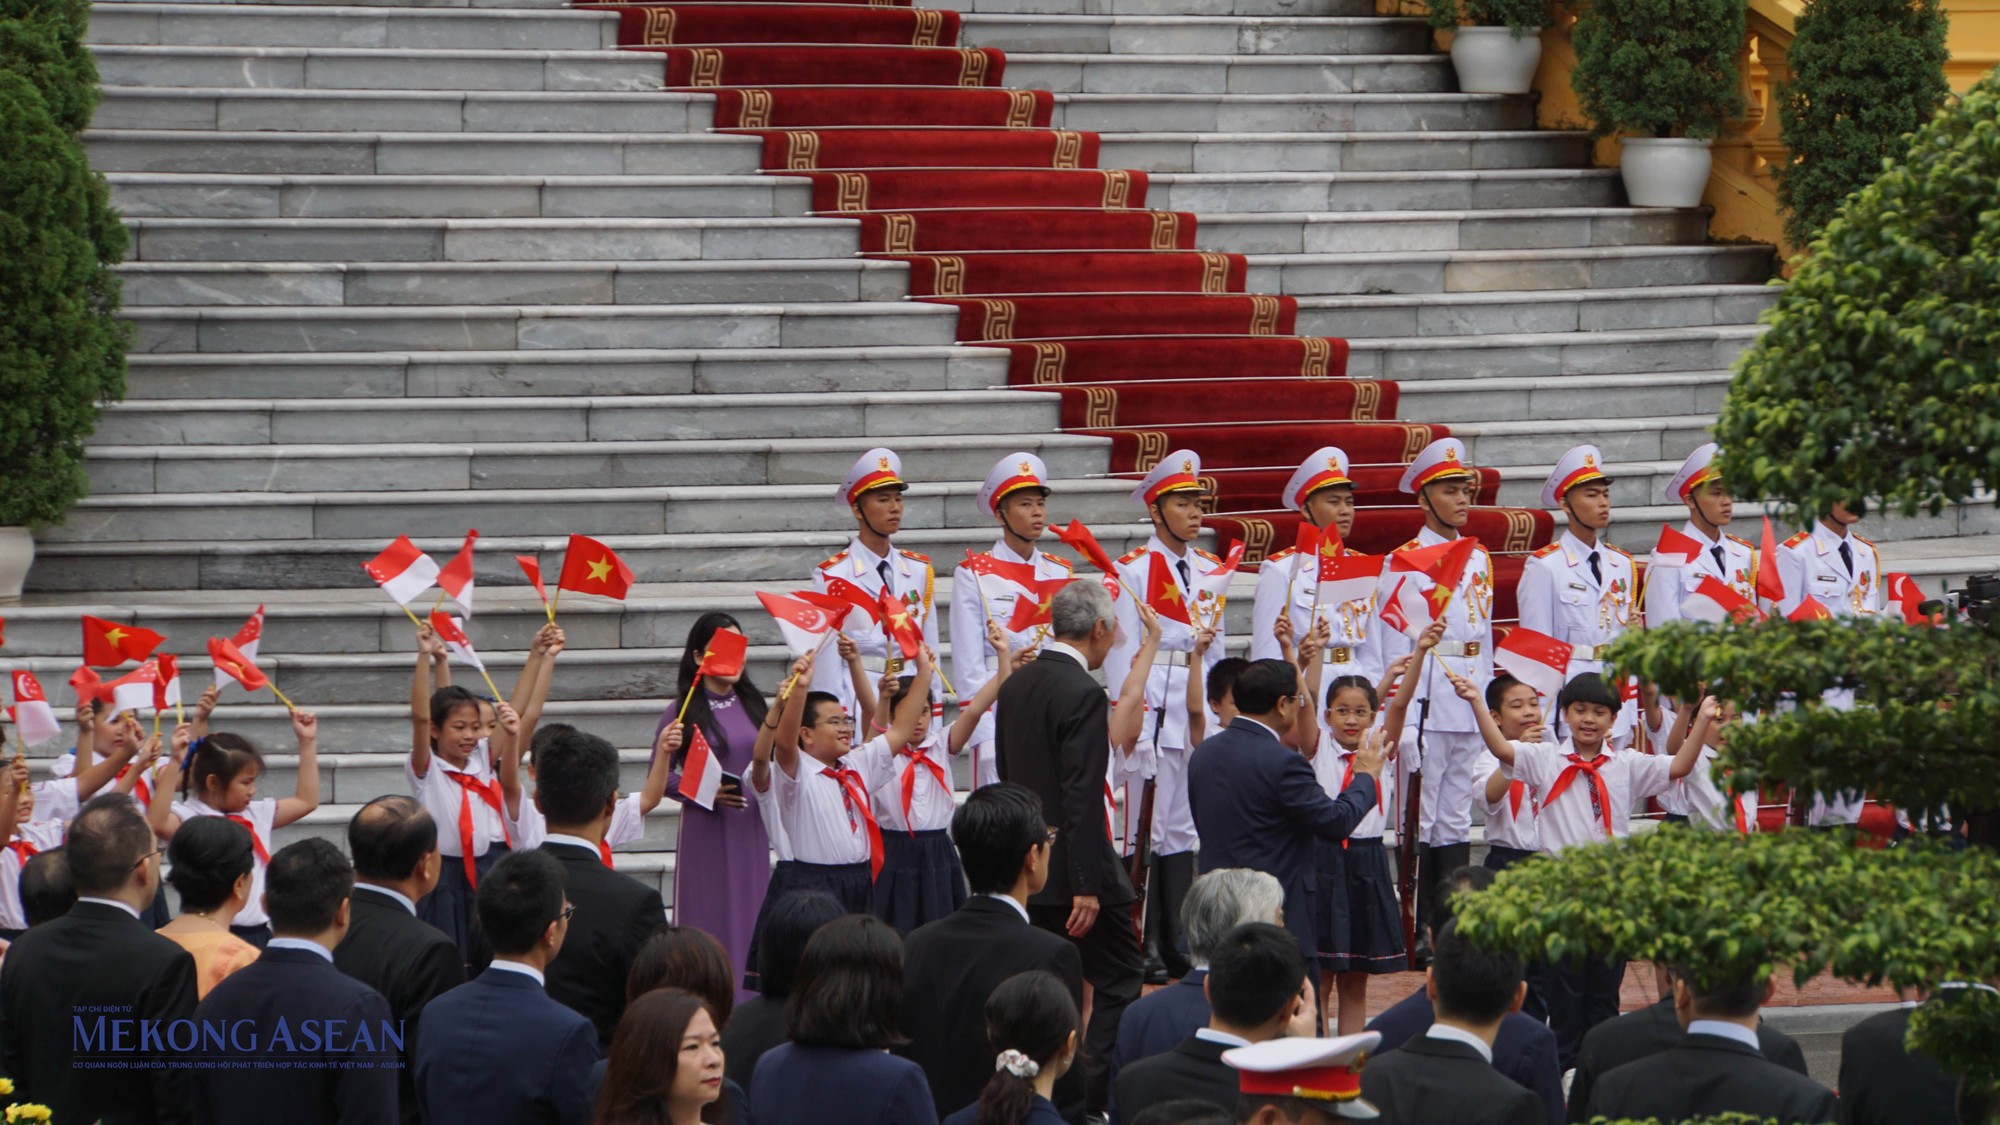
(1659, 68)
(1865, 75)
(62, 350)
(1878, 380)
(1520, 15)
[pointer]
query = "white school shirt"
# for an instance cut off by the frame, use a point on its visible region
(259, 813)
(1706, 804)
(41, 835)
(819, 822)
(931, 804)
(440, 796)
(771, 815)
(1331, 764)
(1570, 819)
(1510, 821)
(56, 799)
(627, 823)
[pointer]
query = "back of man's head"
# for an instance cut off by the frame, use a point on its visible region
(107, 841)
(1722, 995)
(390, 837)
(1077, 608)
(1474, 986)
(518, 898)
(47, 892)
(995, 829)
(1254, 975)
(1259, 687)
(304, 887)
(1184, 1111)
(1458, 881)
(1224, 899)
(576, 775)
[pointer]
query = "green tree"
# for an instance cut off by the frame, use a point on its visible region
(1865, 75)
(1659, 68)
(1521, 15)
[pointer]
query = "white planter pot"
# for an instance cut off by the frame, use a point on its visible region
(1665, 171)
(17, 553)
(1489, 60)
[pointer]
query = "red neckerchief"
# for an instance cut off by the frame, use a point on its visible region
(1347, 779)
(141, 790)
(1589, 768)
(855, 794)
(604, 851)
(23, 850)
(263, 853)
(489, 791)
(918, 757)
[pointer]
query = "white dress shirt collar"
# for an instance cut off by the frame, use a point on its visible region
(1826, 538)
(572, 841)
(1579, 550)
(1222, 1037)
(1266, 726)
(1697, 533)
(1010, 900)
(300, 943)
(1005, 553)
(1723, 1029)
(1069, 651)
(517, 967)
(1460, 1035)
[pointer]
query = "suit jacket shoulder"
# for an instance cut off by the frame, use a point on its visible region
(1434, 1080)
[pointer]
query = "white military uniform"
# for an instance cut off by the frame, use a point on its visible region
(1850, 585)
(1728, 559)
(1452, 741)
(979, 595)
(1290, 581)
(906, 574)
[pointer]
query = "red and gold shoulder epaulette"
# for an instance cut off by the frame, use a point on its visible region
(1740, 539)
(1284, 554)
(1617, 550)
(1059, 561)
(1868, 543)
(1131, 554)
(915, 557)
(1545, 552)
(1410, 546)
(833, 560)
(1801, 537)
(1211, 558)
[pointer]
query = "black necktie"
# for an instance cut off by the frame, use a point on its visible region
(1596, 574)
(1720, 567)
(1847, 557)
(882, 569)
(1186, 583)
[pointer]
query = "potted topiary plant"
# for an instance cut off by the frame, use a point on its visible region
(1495, 45)
(1665, 74)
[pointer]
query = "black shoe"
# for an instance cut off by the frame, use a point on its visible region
(1156, 971)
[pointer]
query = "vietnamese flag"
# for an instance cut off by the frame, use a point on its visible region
(1809, 609)
(1716, 601)
(402, 571)
(1770, 583)
(246, 640)
(107, 644)
(230, 660)
(590, 567)
(1032, 612)
(1675, 549)
(898, 623)
(87, 684)
(456, 577)
(701, 773)
(532, 567)
(1443, 563)
(1535, 659)
(33, 718)
(805, 619)
(1161, 593)
(1079, 536)
(726, 653)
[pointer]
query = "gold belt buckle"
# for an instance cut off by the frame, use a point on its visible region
(1472, 648)
(1340, 654)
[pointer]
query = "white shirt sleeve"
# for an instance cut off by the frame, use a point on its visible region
(1650, 774)
(627, 822)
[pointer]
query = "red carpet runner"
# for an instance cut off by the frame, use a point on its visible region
(1149, 341)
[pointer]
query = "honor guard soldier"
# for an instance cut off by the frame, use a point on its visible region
(1323, 493)
(1303, 1081)
(1173, 495)
(1700, 486)
(1016, 492)
(1445, 486)
(1580, 589)
(1843, 573)
(873, 492)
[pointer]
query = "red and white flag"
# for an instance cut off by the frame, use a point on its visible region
(806, 619)
(1216, 582)
(1406, 609)
(1675, 549)
(1906, 595)
(1535, 659)
(857, 597)
(701, 773)
(402, 571)
(1715, 601)
(451, 630)
(246, 641)
(167, 691)
(135, 691)
(33, 718)
(456, 577)
(1348, 578)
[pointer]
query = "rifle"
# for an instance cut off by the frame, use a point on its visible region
(1142, 847)
(1406, 838)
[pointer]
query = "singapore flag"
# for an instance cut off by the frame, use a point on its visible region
(805, 618)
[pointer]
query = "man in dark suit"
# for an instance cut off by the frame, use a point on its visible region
(387, 947)
(1256, 802)
(1646, 1032)
(576, 787)
(1446, 1074)
(1883, 1082)
(1052, 737)
(1716, 1067)
(1257, 990)
(350, 1074)
(497, 1049)
(952, 965)
(1524, 1049)
(98, 956)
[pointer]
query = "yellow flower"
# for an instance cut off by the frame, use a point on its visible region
(28, 1111)
(6, 1086)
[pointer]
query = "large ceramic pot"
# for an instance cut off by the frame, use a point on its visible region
(1491, 60)
(17, 553)
(1665, 171)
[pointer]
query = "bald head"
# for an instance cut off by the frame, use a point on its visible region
(392, 840)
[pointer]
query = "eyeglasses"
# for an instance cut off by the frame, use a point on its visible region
(144, 858)
(568, 909)
(836, 722)
(1052, 835)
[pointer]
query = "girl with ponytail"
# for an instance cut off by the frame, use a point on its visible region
(1031, 1023)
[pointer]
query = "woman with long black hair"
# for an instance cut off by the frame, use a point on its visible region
(1031, 1023)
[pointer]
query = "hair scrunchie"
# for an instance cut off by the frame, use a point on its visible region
(1017, 1064)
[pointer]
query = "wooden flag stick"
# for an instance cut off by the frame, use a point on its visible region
(553, 602)
(414, 619)
(689, 697)
(439, 603)
(497, 697)
(289, 705)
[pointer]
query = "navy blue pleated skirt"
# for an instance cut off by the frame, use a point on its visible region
(780, 882)
(450, 906)
(1360, 929)
(921, 879)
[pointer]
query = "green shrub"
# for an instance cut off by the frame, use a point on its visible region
(1659, 68)
(62, 350)
(1865, 75)
(1521, 15)
(1878, 380)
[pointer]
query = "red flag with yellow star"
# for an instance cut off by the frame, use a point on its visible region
(1163, 595)
(107, 644)
(1032, 611)
(898, 623)
(231, 662)
(590, 567)
(1443, 563)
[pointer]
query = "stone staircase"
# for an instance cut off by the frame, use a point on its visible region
(414, 268)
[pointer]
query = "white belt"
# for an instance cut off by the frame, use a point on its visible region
(1171, 659)
(1457, 648)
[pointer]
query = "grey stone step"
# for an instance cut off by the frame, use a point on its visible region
(1195, 35)
(1435, 189)
(1582, 397)
(1287, 113)
(1406, 152)
(1378, 232)
(472, 283)
(545, 4)
(64, 569)
(1482, 271)
(321, 25)
(489, 240)
(425, 111)
(1169, 7)
(1552, 310)
(597, 154)
(1069, 73)
(503, 374)
(534, 328)
(353, 68)
(1545, 354)
(225, 196)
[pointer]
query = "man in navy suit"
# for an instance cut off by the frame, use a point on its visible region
(344, 1072)
(497, 1049)
(1256, 802)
